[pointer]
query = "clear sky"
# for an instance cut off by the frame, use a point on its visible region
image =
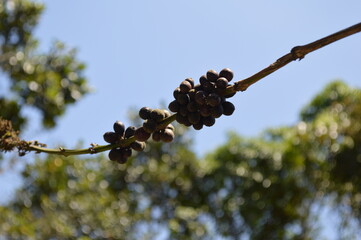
(137, 52)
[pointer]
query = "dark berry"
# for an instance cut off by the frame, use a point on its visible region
(174, 106)
(141, 135)
(192, 107)
(190, 80)
(181, 119)
(138, 146)
(115, 154)
(156, 136)
(111, 137)
(119, 128)
(226, 73)
(129, 132)
(183, 98)
(228, 108)
(191, 95)
(213, 99)
(144, 113)
(209, 87)
(185, 86)
(167, 135)
(150, 125)
(200, 97)
(230, 95)
(208, 121)
(194, 117)
(127, 152)
(216, 111)
(205, 111)
(198, 126)
(183, 110)
(222, 83)
(176, 92)
(203, 80)
(157, 114)
(212, 75)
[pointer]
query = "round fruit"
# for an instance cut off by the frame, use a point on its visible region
(150, 125)
(213, 99)
(200, 97)
(183, 98)
(174, 106)
(198, 126)
(226, 73)
(185, 86)
(209, 121)
(205, 111)
(194, 117)
(127, 152)
(115, 154)
(222, 83)
(111, 137)
(167, 135)
(192, 107)
(183, 110)
(141, 135)
(212, 75)
(144, 113)
(129, 132)
(156, 136)
(119, 128)
(190, 80)
(228, 108)
(176, 92)
(157, 114)
(216, 111)
(138, 146)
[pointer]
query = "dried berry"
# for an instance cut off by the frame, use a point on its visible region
(183, 98)
(200, 97)
(212, 75)
(171, 127)
(191, 81)
(198, 126)
(194, 117)
(129, 132)
(167, 135)
(192, 107)
(226, 73)
(205, 111)
(156, 136)
(228, 108)
(213, 99)
(115, 154)
(111, 137)
(150, 125)
(138, 146)
(144, 113)
(183, 110)
(216, 111)
(208, 121)
(141, 135)
(176, 92)
(174, 106)
(185, 86)
(127, 152)
(157, 114)
(119, 128)
(222, 83)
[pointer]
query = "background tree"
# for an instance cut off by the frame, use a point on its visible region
(264, 188)
(48, 82)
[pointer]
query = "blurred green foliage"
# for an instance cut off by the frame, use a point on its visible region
(49, 81)
(266, 187)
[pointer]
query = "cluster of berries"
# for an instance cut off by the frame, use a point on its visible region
(121, 154)
(151, 126)
(201, 104)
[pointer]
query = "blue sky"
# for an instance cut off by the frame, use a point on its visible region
(137, 52)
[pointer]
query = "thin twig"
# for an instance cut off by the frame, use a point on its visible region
(297, 52)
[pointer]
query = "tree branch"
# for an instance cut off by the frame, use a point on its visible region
(297, 52)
